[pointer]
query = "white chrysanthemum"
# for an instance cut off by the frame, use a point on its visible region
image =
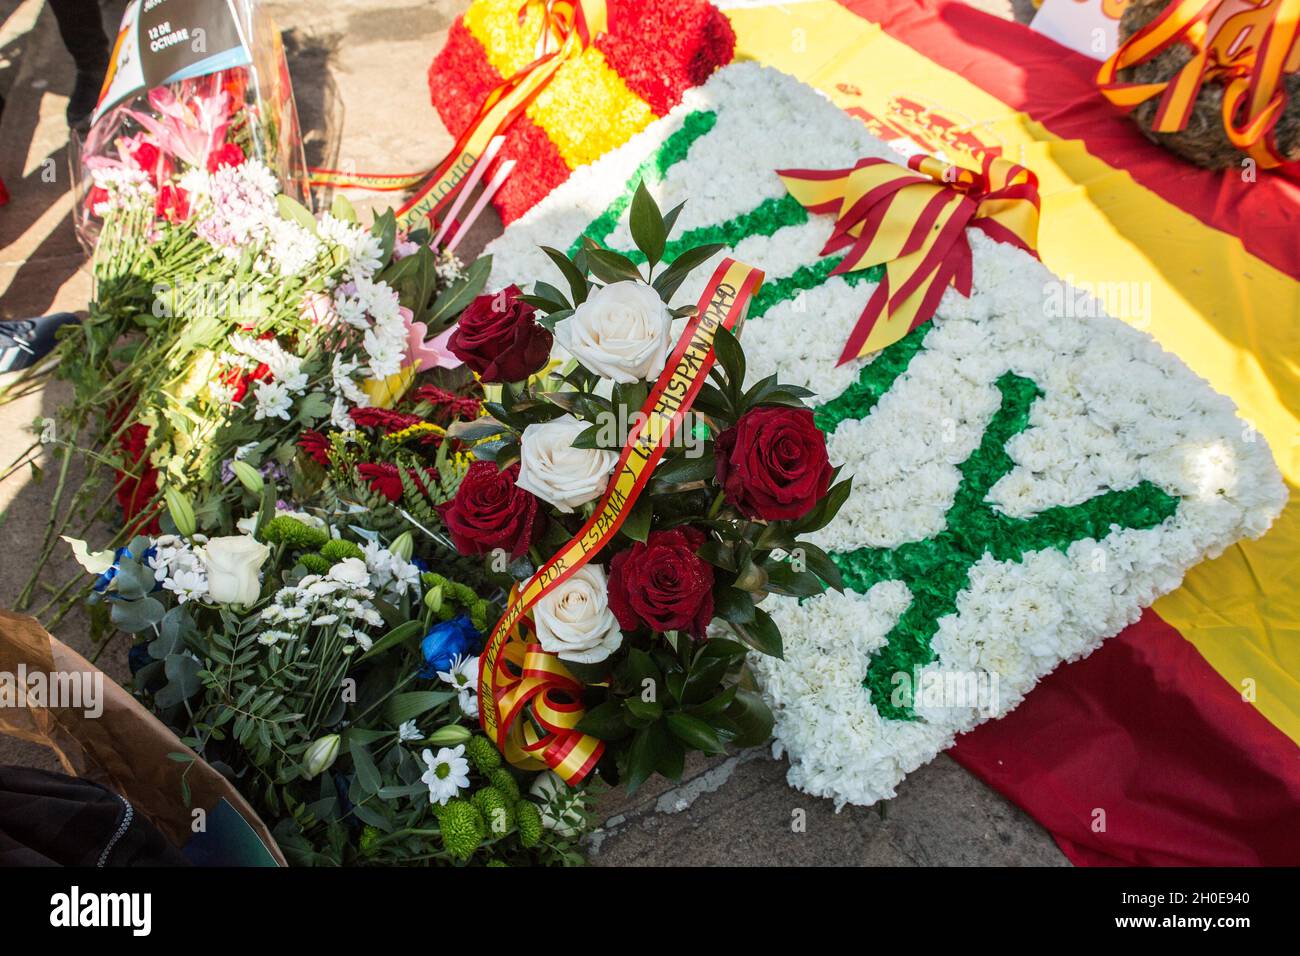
(273, 400)
(448, 773)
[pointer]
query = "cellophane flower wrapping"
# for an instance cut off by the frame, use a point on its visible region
(156, 136)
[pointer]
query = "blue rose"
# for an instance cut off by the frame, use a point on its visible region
(447, 641)
(104, 580)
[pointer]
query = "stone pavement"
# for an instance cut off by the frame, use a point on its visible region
(359, 76)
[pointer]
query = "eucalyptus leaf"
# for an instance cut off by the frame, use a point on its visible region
(182, 669)
(403, 707)
(135, 616)
(364, 766)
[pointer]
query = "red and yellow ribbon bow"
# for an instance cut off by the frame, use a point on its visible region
(914, 220)
(1247, 45)
(540, 704)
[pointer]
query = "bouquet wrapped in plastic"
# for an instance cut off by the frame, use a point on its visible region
(193, 85)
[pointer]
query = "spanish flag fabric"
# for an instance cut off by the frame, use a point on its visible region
(1178, 742)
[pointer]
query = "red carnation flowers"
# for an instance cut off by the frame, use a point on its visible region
(387, 480)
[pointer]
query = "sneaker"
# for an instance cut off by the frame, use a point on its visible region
(24, 342)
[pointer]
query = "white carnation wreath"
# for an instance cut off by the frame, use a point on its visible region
(1111, 412)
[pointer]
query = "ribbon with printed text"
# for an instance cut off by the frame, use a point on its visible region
(529, 703)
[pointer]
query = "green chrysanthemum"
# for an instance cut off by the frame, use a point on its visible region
(293, 534)
(529, 820)
(497, 811)
(482, 753)
(462, 828)
(315, 563)
(336, 549)
(368, 837)
(504, 780)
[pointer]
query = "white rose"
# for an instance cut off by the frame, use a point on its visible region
(622, 332)
(350, 571)
(552, 469)
(574, 620)
(232, 564)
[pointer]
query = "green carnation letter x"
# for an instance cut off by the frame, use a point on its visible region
(937, 569)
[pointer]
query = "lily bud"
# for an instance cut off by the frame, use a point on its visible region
(403, 546)
(433, 599)
(448, 736)
(182, 512)
(320, 756)
(248, 476)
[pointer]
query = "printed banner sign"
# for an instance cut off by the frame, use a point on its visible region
(163, 41)
(1090, 27)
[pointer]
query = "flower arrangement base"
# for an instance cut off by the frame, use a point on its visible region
(654, 51)
(1029, 473)
(1204, 140)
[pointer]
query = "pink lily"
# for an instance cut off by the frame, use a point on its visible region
(428, 354)
(188, 131)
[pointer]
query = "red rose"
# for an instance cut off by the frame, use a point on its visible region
(773, 464)
(227, 154)
(499, 338)
(490, 511)
(662, 583)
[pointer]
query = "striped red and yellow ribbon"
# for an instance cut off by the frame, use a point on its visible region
(540, 705)
(508, 662)
(375, 182)
(914, 221)
(1247, 46)
(568, 27)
